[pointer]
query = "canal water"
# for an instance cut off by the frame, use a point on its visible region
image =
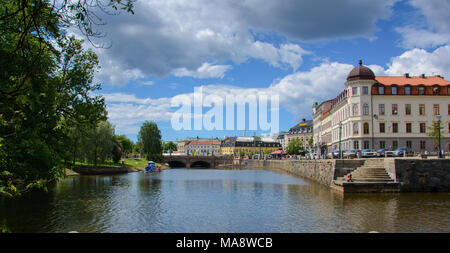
(228, 201)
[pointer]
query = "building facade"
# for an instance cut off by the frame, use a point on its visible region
(248, 146)
(302, 131)
(203, 148)
(385, 112)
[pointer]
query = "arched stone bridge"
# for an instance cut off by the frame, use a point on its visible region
(185, 161)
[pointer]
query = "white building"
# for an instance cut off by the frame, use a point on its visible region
(203, 148)
(384, 112)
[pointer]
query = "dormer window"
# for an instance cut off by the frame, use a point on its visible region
(421, 90)
(407, 90)
(381, 90)
(394, 90)
(435, 90)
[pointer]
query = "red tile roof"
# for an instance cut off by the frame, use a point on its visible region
(412, 80)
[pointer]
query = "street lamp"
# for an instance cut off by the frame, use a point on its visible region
(340, 130)
(439, 134)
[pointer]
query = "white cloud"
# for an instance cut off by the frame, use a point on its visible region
(419, 61)
(205, 71)
(433, 32)
(175, 36)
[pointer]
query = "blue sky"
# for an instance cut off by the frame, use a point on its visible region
(301, 51)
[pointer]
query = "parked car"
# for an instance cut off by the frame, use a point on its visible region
(381, 151)
(353, 153)
(368, 153)
(401, 151)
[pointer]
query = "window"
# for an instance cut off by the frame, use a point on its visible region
(382, 128)
(355, 144)
(355, 91)
(407, 90)
(448, 108)
(355, 128)
(366, 128)
(408, 128)
(381, 90)
(436, 109)
(355, 109)
(366, 144)
(381, 109)
(421, 109)
(365, 90)
(422, 127)
(382, 144)
(394, 90)
(423, 145)
(409, 144)
(395, 127)
(394, 109)
(436, 91)
(395, 144)
(365, 109)
(408, 109)
(421, 90)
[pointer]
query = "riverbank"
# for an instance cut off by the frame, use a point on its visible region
(130, 165)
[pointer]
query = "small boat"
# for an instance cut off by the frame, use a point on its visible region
(151, 167)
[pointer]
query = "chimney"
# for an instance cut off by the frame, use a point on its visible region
(406, 75)
(360, 62)
(303, 119)
(423, 75)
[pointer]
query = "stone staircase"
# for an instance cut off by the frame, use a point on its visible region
(372, 171)
(370, 177)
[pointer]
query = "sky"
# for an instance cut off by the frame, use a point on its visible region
(299, 51)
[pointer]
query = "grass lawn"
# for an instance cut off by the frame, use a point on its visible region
(139, 163)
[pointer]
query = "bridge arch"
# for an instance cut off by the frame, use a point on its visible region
(176, 164)
(200, 164)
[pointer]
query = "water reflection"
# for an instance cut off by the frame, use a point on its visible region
(250, 201)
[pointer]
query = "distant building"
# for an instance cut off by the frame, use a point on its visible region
(248, 145)
(181, 146)
(203, 148)
(282, 140)
(302, 131)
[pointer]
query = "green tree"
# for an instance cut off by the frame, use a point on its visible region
(170, 146)
(127, 144)
(433, 132)
(295, 146)
(311, 141)
(150, 137)
(99, 143)
(117, 151)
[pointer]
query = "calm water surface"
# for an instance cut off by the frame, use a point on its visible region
(235, 201)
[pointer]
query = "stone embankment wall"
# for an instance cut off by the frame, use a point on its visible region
(414, 175)
(420, 175)
(322, 171)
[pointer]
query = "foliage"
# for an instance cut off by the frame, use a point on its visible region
(434, 131)
(150, 137)
(295, 146)
(127, 144)
(46, 85)
(170, 146)
(117, 151)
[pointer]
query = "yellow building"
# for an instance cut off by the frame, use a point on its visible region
(248, 146)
